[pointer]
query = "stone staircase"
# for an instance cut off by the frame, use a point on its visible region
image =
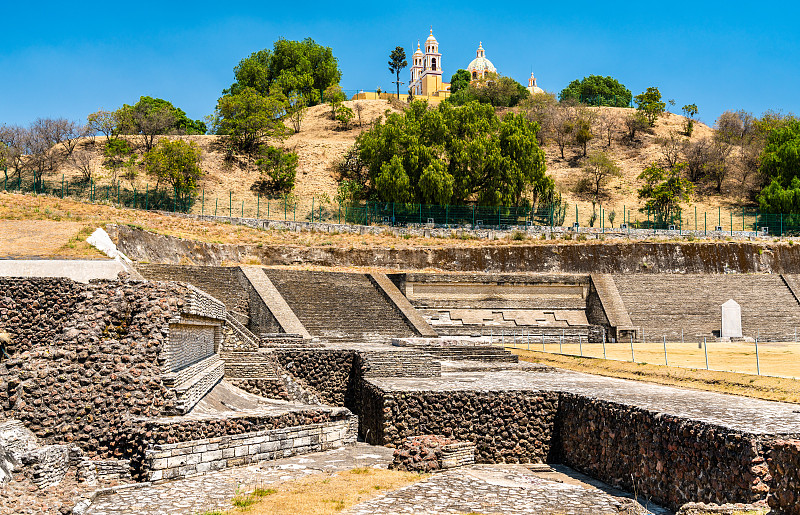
(399, 364)
(663, 304)
(223, 283)
(486, 354)
(193, 382)
(340, 307)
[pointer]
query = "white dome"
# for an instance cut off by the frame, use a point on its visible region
(481, 64)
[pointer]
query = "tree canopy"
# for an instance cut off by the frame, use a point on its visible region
(452, 155)
(665, 190)
(397, 61)
(650, 105)
(248, 117)
(780, 159)
(492, 89)
(596, 90)
(303, 67)
(177, 163)
(460, 80)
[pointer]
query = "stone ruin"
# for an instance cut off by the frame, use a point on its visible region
(158, 380)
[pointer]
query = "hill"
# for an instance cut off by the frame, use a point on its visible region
(321, 143)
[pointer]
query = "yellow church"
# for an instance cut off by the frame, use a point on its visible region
(426, 74)
(426, 71)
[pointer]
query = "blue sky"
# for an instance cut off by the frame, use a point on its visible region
(70, 59)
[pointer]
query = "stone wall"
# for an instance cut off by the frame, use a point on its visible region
(84, 358)
(187, 458)
(784, 466)
(598, 257)
(143, 435)
(670, 459)
(329, 373)
(506, 427)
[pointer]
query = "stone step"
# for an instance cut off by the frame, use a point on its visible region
(188, 393)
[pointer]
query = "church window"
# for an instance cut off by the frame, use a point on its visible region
(433, 63)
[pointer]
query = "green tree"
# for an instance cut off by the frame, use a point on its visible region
(583, 128)
(493, 89)
(176, 163)
(596, 90)
(599, 169)
(689, 111)
(278, 171)
(780, 159)
(248, 118)
(664, 190)
(650, 105)
(452, 155)
(777, 199)
(397, 61)
(117, 155)
(334, 96)
(459, 81)
(303, 67)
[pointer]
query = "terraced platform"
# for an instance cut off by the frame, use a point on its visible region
(665, 304)
(339, 306)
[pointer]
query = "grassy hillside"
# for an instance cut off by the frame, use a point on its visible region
(320, 143)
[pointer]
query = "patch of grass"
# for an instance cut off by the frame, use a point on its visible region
(518, 236)
(327, 494)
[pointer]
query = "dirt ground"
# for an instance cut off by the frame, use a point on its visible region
(35, 238)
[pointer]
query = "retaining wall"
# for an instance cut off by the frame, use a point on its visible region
(670, 459)
(567, 257)
(187, 458)
(784, 466)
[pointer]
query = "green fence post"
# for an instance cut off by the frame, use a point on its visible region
(147, 196)
(705, 223)
(473, 216)
(719, 216)
(134, 198)
(230, 204)
(742, 218)
(216, 203)
(62, 185)
(731, 213)
(446, 213)
(576, 215)
(243, 209)
(284, 208)
(339, 212)
(695, 218)
(267, 208)
(498, 217)
(312, 209)
(420, 214)
(203, 205)
(781, 225)
(294, 214)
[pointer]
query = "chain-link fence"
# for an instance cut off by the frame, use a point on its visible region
(778, 357)
(321, 209)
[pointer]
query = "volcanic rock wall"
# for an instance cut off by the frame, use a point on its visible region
(506, 427)
(784, 466)
(670, 459)
(84, 358)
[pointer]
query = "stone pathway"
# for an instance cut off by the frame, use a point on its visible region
(214, 491)
(506, 489)
(500, 489)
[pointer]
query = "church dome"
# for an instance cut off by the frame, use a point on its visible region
(480, 64)
(419, 51)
